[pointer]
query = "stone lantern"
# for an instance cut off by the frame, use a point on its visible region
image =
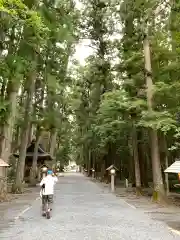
(112, 170)
(3, 176)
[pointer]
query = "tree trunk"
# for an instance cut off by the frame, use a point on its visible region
(159, 193)
(103, 170)
(53, 146)
(143, 159)
(30, 134)
(24, 135)
(131, 174)
(33, 171)
(10, 121)
(3, 89)
(165, 160)
(53, 142)
(15, 144)
(136, 161)
(89, 162)
(45, 141)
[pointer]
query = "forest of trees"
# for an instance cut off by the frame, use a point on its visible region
(121, 107)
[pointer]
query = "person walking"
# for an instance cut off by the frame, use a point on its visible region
(47, 191)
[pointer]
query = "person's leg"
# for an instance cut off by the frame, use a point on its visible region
(44, 199)
(50, 201)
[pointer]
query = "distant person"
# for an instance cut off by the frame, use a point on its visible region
(47, 189)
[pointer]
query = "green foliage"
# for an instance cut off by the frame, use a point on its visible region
(162, 121)
(109, 99)
(63, 153)
(96, 107)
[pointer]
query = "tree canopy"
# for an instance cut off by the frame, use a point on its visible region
(121, 107)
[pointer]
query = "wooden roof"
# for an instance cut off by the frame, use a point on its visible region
(111, 167)
(3, 163)
(174, 168)
(31, 147)
(42, 154)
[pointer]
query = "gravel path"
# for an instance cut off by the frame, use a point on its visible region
(83, 211)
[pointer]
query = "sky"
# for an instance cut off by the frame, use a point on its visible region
(82, 49)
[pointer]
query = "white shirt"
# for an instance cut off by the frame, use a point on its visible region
(49, 182)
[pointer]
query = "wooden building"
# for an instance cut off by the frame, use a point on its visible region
(44, 158)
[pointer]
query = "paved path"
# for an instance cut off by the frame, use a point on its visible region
(84, 211)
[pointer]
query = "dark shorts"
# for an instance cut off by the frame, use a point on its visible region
(47, 199)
